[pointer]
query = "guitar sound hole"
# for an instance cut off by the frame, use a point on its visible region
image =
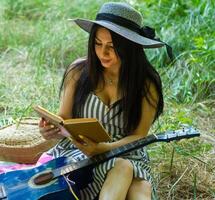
(43, 178)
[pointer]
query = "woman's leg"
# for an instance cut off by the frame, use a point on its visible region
(118, 180)
(139, 190)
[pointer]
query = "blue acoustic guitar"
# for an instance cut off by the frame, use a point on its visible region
(48, 180)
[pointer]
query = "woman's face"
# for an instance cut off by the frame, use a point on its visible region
(105, 51)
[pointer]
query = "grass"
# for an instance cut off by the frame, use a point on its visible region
(185, 169)
(37, 43)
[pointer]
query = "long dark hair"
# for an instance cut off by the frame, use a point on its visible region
(136, 75)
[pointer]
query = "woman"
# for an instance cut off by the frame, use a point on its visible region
(117, 85)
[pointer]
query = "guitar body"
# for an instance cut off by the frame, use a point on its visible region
(19, 185)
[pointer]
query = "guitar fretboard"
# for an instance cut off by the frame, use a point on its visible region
(105, 156)
(95, 160)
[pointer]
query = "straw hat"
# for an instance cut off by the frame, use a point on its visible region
(124, 20)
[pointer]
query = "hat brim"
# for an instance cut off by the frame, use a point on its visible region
(125, 32)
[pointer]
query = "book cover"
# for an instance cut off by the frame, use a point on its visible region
(88, 127)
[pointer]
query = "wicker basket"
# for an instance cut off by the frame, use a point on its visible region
(23, 143)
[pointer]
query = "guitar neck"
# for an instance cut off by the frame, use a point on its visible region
(162, 137)
(95, 160)
(125, 149)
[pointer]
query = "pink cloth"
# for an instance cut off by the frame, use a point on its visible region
(11, 166)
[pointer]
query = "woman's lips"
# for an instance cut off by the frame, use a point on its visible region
(105, 61)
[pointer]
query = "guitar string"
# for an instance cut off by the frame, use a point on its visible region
(70, 188)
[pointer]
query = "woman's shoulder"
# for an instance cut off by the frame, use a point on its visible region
(74, 70)
(76, 67)
(152, 93)
(77, 64)
(150, 84)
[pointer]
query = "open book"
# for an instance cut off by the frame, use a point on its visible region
(88, 127)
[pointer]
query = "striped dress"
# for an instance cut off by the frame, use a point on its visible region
(95, 108)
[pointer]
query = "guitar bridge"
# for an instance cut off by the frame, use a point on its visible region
(3, 195)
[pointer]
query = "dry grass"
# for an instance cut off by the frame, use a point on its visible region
(188, 178)
(186, 169)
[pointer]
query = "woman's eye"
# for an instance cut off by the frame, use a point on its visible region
(98, 44)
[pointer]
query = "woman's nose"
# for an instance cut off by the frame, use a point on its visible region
(105, 50)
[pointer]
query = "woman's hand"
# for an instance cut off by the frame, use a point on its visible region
(49, 131)
(90, 148)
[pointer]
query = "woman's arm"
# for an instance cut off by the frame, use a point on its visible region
(49, 131)
(147, 117)
(66, 103)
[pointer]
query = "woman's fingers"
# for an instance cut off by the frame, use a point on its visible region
(41, 122)
(87, 146)
(64, 132)
(86, 140)
(49, 131)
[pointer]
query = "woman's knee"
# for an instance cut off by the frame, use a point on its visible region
(139, 190)
(117, 181)
(124, 165)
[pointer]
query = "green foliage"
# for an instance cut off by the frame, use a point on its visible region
(188, 27)
(37, 35)
(25, 9)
